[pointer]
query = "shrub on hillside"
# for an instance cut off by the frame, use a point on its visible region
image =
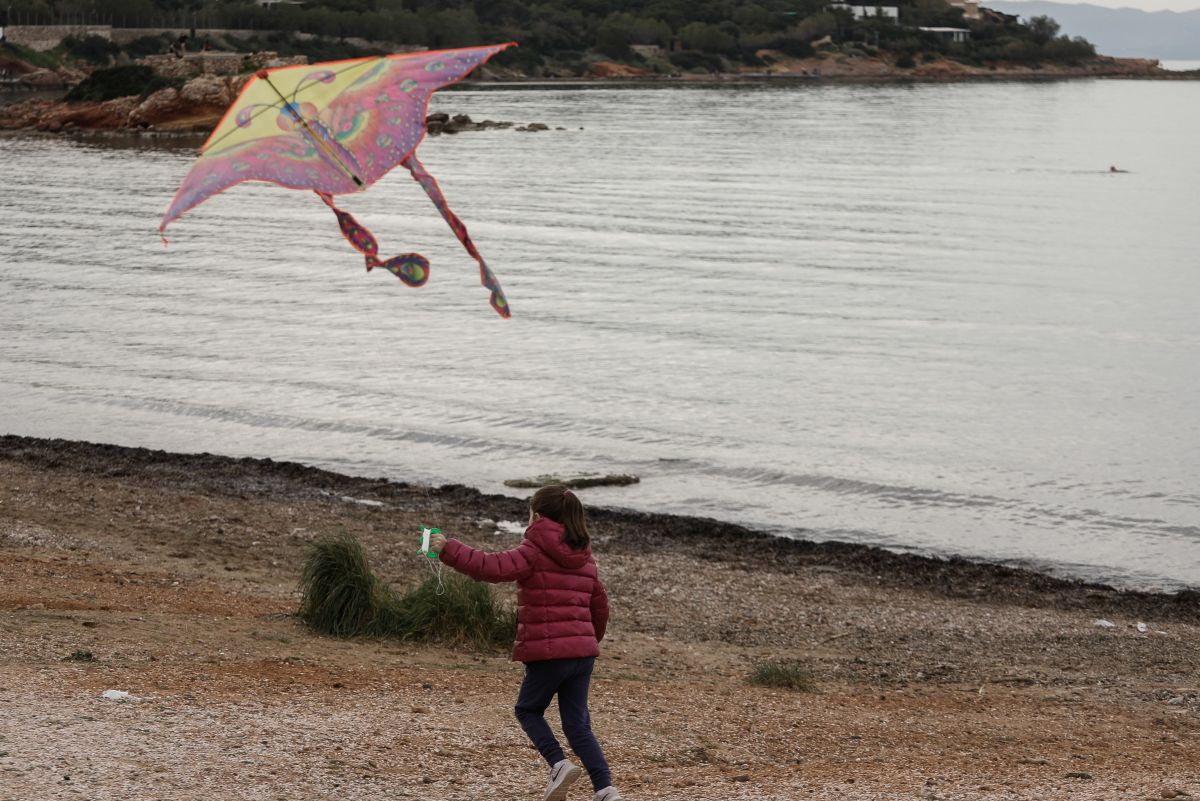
(521, 58)
(710, 38)
(788, 42)
(92, 49)
(133, 80)
(149, 45)
(695, 60)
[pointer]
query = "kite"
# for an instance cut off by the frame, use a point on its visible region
(336, 128)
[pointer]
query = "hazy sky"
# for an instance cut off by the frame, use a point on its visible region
(1142, 5)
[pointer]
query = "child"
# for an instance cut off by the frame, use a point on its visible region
(562, 611)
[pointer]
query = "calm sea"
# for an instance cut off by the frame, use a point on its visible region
(926, 317)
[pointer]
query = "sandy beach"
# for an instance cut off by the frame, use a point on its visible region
(178, 575)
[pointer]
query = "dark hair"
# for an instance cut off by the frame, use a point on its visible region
(562, 506)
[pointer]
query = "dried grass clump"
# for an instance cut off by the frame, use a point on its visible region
(342, 596)
(787, 674)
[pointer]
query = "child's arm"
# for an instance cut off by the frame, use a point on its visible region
(599, 607)
(491, 567)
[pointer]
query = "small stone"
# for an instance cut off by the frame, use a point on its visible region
(1079, 774)
(420, 710)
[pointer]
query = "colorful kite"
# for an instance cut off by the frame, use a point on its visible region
(337, 128)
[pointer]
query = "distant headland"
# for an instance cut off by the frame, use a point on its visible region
(179, 75)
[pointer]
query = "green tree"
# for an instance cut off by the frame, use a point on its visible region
(707, 38)
(651, 32)
(1042, 29)
(675, 13)
(817, 26)
(615, 35)
(452, 28)
(753, 18)
(557, 29)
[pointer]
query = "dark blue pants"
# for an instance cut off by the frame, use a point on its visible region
(569, 679)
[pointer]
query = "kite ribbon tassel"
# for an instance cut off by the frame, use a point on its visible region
(486, 276)
(411, 268)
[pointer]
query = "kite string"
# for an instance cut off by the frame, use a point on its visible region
(437, 574)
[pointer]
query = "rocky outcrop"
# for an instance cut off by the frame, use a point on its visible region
(611, 69)
(14, 67)
(197, 106)
(53, 117)
(41, 79)
(24, 75)
(442, 123)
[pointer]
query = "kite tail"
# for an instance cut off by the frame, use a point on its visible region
(486, 276)
(411, 268)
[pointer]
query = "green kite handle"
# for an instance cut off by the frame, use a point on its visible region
(426, 534)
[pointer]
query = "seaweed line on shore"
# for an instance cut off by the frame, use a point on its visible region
(954, 577)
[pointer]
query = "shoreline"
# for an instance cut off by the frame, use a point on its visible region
(952, 576)
(173, 578)
(200, 104)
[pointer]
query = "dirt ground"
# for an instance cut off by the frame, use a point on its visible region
(177, 574)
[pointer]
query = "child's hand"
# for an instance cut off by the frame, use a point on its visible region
(436, 543)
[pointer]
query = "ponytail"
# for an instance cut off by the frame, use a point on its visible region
(559, 504)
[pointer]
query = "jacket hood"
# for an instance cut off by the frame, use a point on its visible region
(548, 536)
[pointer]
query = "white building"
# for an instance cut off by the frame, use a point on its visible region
(950, 34)
(863, 11)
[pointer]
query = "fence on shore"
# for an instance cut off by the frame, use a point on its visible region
(48, 37)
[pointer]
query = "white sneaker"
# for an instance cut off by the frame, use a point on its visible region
(562, 776)
(609, 793)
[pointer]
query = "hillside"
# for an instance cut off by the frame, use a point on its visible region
(1119, 31)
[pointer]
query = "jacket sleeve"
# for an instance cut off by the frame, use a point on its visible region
(491, 567)
(599, 606)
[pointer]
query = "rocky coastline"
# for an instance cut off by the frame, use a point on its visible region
(197, 106)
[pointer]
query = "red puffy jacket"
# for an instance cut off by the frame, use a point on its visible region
(562, 608)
